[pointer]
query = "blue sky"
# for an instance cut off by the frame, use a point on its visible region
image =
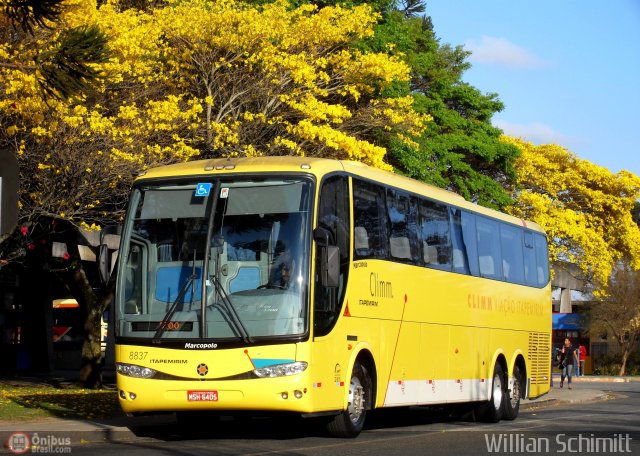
(567, 71)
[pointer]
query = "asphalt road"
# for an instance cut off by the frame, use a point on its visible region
(599, 427)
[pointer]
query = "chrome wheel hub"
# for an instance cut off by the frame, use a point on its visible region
(497, 391)
(356, 400)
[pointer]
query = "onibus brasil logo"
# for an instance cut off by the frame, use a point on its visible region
(21, 443)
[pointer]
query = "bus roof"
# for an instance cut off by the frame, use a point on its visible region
(319, 167)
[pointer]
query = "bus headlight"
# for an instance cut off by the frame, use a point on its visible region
(281, 370)
(133, 370)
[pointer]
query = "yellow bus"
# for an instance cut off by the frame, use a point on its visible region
(324, 288)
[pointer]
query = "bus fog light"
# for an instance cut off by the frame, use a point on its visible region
(285, 395)
(123, 395)
(132, 396)
(297, 394)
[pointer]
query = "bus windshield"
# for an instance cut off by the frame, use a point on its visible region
(219, 260)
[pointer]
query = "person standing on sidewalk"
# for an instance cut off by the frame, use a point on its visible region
(567, 360)
(582, 350)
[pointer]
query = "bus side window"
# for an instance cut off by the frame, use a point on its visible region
(489, 255)
(435, 235)
(361, 241)
(512, 256)
(371, 220)
(465, 246)
(334, 216)
(542, 260)
(530, 271)
(403, 239)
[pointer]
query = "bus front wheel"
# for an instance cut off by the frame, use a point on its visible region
(349, 422)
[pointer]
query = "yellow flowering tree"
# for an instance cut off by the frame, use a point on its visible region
(586, 210)
(281, 81)
(186, 79)
(197, 79)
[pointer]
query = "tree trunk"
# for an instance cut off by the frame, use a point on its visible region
(91, 367)
(625, 356)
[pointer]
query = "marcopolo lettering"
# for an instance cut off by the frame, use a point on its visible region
(208, 345)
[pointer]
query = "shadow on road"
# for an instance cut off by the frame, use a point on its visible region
(196, 426)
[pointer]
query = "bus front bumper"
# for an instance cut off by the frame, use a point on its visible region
(291, 393)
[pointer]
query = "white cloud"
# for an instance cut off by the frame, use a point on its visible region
(500, 51)
(537, 133)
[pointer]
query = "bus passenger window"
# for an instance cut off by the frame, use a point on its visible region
(403, 240)
(361, 241)
(460, 259)
(370, 217)
(512, 257)
(465, 250)
(542, 260)
(435, 235)
(489, 257)
(530, 273)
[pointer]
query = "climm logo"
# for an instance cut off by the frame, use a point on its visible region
(480, 302)
(380, 288)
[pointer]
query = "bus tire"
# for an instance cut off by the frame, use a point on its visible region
(492, 411)
(349, 422)
(512, 400)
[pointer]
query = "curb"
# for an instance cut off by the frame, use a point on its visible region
(589, 379)
(537, 403)
(542, 403)
(598, 379)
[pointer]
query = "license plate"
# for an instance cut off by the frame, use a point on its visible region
(197, 396)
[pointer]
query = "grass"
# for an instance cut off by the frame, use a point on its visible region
(29, 402)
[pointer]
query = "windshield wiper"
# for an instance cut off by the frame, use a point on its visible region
(234, 319)
(180, 298)
(231, 311)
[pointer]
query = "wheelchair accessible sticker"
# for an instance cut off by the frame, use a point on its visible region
(203, 189)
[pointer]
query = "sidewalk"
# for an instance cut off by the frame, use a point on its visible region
(583, 390)
(125, 428)
(597, 378)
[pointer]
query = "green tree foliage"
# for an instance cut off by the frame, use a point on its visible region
(27, 14)
(411, 8)
(70, 67)
(63, 70)
(617, 314)
(460, 150)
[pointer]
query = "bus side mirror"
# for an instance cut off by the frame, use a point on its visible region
(104, 270)
(329, 259)
(107, 251)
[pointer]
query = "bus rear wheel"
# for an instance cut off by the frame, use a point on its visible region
(512, 401)
(492, 410)
(349, 422)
